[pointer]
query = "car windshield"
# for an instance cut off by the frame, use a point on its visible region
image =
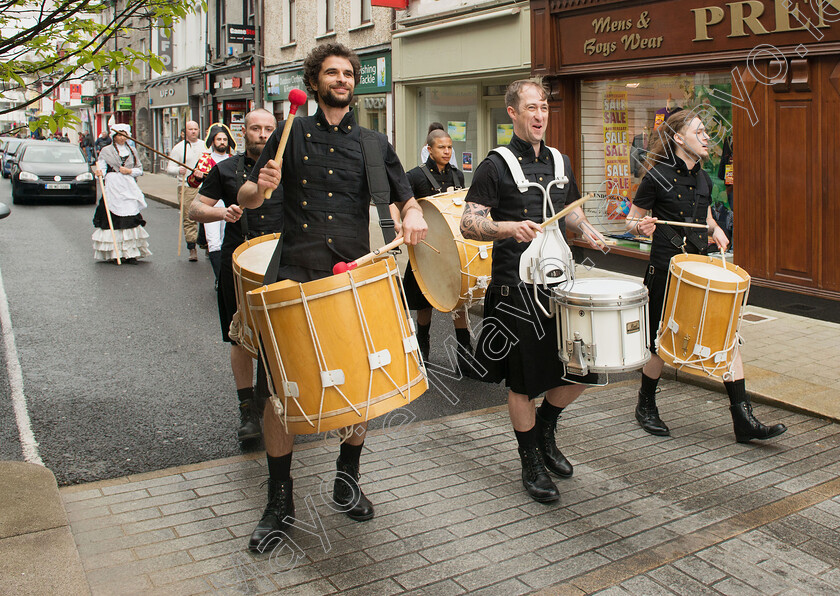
(12, 145)
(56, 154)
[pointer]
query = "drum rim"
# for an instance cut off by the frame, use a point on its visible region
(676, 269)
(638, 296)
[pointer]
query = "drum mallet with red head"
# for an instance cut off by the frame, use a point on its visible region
(344, 267)
(296, 98)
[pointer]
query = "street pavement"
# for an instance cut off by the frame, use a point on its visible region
(695, 513)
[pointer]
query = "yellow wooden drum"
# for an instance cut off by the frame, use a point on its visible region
(460, 273)
(341, 350)
(701, 318)
(250, 260)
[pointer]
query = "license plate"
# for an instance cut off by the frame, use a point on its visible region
(57, 186)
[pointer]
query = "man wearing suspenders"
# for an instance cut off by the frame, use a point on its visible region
(529, 362)
(222, 183)
(435, 177)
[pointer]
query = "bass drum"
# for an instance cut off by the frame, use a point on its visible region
(459, 274)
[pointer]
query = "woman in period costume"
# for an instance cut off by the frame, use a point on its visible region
(121, 165)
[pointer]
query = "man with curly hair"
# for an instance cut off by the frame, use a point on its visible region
(326, 201)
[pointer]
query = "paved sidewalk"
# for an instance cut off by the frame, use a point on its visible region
(693, 514)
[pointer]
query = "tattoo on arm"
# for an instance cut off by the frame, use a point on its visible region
(475, 225)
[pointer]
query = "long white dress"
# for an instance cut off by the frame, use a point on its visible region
(125, 201)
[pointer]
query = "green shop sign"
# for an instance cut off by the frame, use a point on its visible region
(277, 86)
(124, 104)
(376, 74)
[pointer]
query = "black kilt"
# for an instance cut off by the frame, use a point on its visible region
(656, 280)
(518, 343)
(413, 294)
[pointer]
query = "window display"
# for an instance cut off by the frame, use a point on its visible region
(619, 120)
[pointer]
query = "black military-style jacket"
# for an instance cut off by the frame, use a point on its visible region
(675, 193)
(325, 193)
(494, 187)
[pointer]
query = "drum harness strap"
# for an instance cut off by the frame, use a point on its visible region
(523, 184)
(438, 188)
(380, 192)
(240, 177)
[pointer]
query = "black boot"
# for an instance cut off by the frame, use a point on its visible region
(276, 517)
(348, 495)
(555, 461)
(648, 416)
(748, 428)
(249, 416)
(534, 478)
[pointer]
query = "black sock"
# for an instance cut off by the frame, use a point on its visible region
(423, 330)
(245, 394)
(649, 385)
(527, 439)
(548, 412)
(279, 468)
(349, 454)
(463, 336)
(737, 391)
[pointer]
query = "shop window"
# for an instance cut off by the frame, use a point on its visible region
(455, 107)
(619, 119)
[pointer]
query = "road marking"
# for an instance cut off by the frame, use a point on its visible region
(28, 444)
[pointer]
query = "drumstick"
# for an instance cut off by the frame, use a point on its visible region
(342, 267)
(430, 246)
(672, 223)
(110, 223)
(296, 99)
(565, 211)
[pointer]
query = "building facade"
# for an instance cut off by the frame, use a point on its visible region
(765, 78)
(453, 60)
(299, 26)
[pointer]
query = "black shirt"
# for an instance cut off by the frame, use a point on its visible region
(325, 193)
(222, 184)
(494, 187)
(678, 194)
(420, 182)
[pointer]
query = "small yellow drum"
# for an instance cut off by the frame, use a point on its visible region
(250, 260)
(460, 274)
(701, 318)
(341, 350)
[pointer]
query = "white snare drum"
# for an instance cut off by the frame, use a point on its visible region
(602, 325)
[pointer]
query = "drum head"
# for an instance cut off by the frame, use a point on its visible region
(438, 275)
(254, 259)
(602, 287)
(712, 271)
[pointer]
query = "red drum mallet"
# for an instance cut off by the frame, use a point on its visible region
(296, 98)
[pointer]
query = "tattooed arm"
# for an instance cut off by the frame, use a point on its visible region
(476, 225)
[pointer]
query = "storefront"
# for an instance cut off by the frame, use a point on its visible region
(232, 93)
(278, 84)
(455, 71)
(109, 105)
(169, 104)
(763, 75)
(373, 98)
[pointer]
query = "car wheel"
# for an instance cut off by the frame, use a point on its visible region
(16, 200)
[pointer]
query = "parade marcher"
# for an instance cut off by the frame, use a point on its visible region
(120, 165)
(221, 144)
(187, 152)
(529, 364)
(325, 224)
(221, 184)
(433, 177)
(103, 140)
(424, 150)
(688, 200)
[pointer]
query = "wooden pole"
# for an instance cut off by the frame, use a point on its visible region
(110, 223)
